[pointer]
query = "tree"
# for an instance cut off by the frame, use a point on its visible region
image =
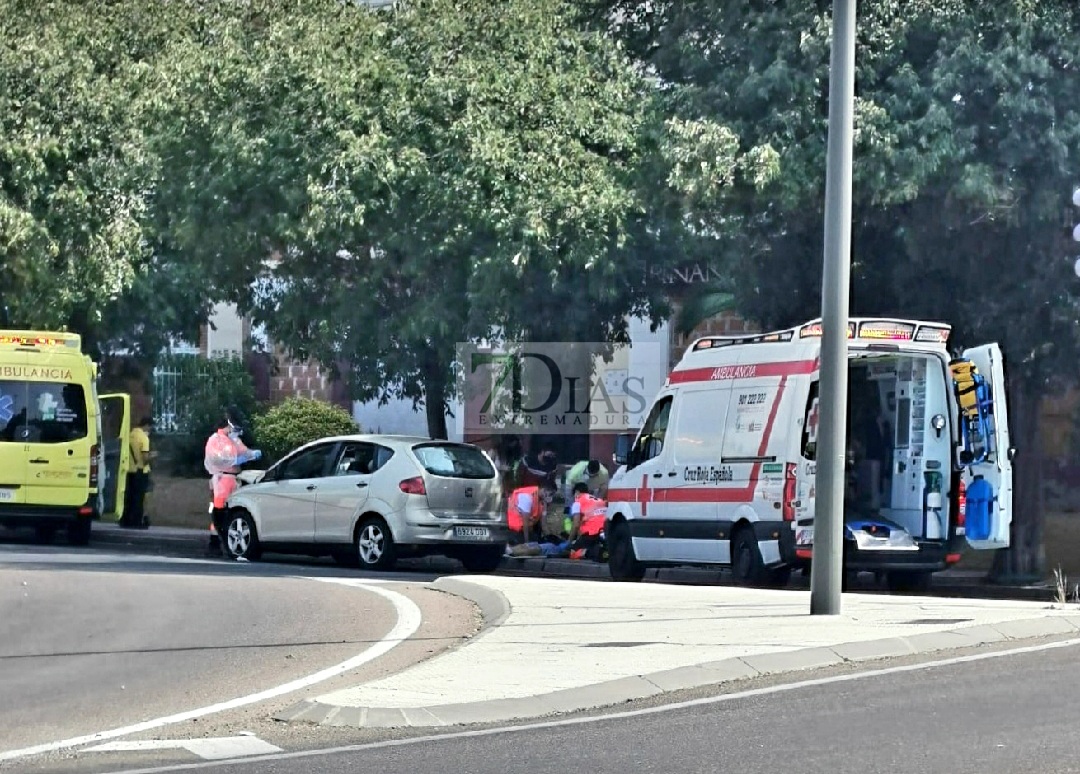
(966, 124)
(424, 176)
(72, 164)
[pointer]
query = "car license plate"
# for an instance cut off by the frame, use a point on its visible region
(7, 495)
(472, 533)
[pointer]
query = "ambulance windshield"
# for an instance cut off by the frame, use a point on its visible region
(42, 412)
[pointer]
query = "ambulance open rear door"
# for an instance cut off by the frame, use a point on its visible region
(988, 474)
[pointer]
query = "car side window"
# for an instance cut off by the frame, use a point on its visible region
(651, 441)
(308, 464)
(359, 459)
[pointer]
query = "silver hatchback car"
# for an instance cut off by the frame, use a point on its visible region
(368, 500)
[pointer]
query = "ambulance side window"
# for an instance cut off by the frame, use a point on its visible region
(651, 441)
(810, 424)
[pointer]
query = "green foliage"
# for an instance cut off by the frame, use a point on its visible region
(298, 421)
(73, 167)
(205, 389)
(407, 167)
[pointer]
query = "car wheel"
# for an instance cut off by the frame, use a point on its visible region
(241, 539)
(622, 562)
(746, 563)
(79, 532)
(375, 545)
(482, 559)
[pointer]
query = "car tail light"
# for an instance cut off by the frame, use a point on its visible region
(413, 486)
(95, 463)
(788, 506)
(961, 505)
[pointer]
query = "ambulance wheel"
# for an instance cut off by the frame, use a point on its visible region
(746, 563)
(779, 576)
(78, 532)
(908, 581)
(46, 535)
(622, 562)
(241, 541)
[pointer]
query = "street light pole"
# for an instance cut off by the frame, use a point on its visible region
(827, 570)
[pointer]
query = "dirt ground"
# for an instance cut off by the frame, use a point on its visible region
(178, 502)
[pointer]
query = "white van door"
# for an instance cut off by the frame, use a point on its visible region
(996, 469)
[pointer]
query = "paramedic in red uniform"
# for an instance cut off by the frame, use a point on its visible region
(587, 514)
(525, 509)
(224, 454)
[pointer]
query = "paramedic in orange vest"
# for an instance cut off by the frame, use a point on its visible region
(587, 514)
(224, 454)
(525, 509)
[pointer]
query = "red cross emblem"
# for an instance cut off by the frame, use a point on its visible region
(643, 495)
(812, 422)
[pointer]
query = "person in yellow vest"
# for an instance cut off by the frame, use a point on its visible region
(525, 510)
(138, 478)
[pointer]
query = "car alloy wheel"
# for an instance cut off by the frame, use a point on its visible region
(372, 543)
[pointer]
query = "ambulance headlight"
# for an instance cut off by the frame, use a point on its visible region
(938, 423)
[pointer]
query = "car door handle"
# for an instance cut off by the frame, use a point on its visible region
(39, 462)
(657, 475)
(361, 484)
(673, 473)
(311, 487)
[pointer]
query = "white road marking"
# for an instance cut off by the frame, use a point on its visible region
(581, 721)
(408, 621)
(212, 749)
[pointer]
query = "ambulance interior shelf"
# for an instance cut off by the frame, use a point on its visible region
(897, 454)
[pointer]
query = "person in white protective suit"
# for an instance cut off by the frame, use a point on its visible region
(223, 456)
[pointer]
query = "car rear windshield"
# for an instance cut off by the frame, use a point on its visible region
(42, 412)
(452, 460)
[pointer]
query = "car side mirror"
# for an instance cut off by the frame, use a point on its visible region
(623, 444)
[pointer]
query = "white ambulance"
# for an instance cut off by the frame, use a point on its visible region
(722, 471)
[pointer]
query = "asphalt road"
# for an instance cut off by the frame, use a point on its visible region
(89, 643)
(1015, 713)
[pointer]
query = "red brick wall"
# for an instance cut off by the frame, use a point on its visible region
(291, 378)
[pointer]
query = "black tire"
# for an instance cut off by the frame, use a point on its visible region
(240, 540)
(622, 562)
(908, 581)
(374, 545)
(45, 535)
(746, 563)
(779, 577)
(79, 531)
(482, 558)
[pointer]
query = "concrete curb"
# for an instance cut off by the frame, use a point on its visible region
(193, 543)
(713, 673)
(494, 606)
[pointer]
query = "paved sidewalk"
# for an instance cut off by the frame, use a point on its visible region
(560, 646)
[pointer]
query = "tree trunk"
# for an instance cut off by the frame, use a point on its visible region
(435, 397)
(1025, 559)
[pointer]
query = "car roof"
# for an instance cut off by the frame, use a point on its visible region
(385, 438)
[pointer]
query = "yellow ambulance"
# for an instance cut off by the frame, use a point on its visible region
(53, 452)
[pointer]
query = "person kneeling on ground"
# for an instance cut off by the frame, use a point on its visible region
(585, 525)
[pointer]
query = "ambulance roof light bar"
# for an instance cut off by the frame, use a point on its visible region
(41, 339)
(865, 328)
